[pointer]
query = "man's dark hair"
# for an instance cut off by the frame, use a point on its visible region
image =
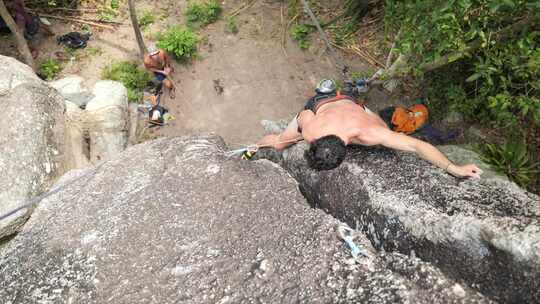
(326, 153)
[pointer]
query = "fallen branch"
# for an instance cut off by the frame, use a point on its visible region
(89, 10)
(284, 31)
(94, 23)
(39, 13)
(240, 9)
(391, 53)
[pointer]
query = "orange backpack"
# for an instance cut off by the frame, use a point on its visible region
(411, 119)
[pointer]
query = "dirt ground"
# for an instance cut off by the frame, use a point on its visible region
(238, 79)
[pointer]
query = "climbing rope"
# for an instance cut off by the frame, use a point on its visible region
(255, 148)
(36, 200)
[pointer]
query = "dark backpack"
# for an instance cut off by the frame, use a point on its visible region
(74, 40)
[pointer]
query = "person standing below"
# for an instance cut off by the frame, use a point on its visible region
(158, 62)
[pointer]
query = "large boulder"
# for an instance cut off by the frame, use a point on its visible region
(73, 90)
(175, 221)
(31, 139)
(106, 118)
(485, 233)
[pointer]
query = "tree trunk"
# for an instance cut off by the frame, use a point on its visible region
(136, 29)
(22, 45)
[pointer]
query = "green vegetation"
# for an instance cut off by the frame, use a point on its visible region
(300, 33)
(94, 50)
(362, 74)
(115, 4)
(49, 69)
(145, 19)
(109, 12)
(129, 74)
(232, 26)
(180, 42)
(513, 160)
(107, 15)
(487, 41)
(201, 14)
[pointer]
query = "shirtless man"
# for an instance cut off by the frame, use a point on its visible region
(330, 124)
(158, 62)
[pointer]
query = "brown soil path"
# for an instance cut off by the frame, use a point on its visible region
(244, 78)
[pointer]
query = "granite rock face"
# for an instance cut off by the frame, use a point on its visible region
(31, 139)
(175, 221)
(106, 118)
(484, 233)
(73, 90)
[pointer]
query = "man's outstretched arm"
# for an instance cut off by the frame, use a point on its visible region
(425, 150)
(288, 137)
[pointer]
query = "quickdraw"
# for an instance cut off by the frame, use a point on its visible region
(347, 235)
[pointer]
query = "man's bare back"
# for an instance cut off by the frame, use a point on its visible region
(340, 117)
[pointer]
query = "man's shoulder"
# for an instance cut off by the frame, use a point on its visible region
(162, 53)
(146, 59)
(371, 135)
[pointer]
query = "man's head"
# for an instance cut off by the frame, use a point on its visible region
(152, 50)
(326, 153)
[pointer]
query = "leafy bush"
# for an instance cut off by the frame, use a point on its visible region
(499, 63)
(513, 160)
(49, 69)
(129, 74)
(115, 4)
(200, 14)
(300, 33)
(232, 26)
(180, 42)
(146, 18)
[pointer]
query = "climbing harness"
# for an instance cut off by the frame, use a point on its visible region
(346, 234)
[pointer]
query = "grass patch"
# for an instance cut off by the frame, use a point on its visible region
(49, 69)
(232, 25)
(300, 33)
(180, 42)
(130, 75)
(146, 19)
(201, 14)
(94, 51)
(362, 74)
